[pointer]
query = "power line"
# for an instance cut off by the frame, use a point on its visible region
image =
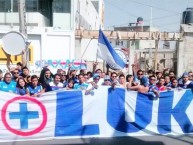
(166, 16)
(154, 7)
(122, 10)
(161, 17)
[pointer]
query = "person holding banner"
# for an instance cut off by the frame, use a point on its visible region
(7, 85)
(55, 84)
(93, 85)
(21, 87)
(81, 85)
(142, 88)
(34, 89)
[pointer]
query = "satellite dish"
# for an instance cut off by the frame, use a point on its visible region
(13, 43)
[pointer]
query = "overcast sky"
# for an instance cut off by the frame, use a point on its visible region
(166, 14)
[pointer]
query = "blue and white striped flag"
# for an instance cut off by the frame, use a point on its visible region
(107, 52)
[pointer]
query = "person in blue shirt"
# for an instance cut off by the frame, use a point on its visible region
(7, 85)
(153, 89)
(21, 87)
(34, 89)
(185, 81)
(81, 85)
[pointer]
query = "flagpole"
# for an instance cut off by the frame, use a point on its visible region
(85, 51)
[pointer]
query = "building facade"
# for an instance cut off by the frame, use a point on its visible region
(51, 26)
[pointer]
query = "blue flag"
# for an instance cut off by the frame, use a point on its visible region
(107, 52)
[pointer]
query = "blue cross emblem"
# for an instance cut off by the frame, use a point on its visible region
(24, 115)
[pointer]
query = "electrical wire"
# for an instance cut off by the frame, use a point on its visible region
(156, 18)
(162, 9)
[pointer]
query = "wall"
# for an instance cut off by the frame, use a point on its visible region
(86, 16)
(48, 44)
(185, 50)
(33, 19)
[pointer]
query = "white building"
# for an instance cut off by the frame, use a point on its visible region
(50, 26)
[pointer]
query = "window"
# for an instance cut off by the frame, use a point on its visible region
(62, 6)
(5, 6)
(31, 5)
(15, 5)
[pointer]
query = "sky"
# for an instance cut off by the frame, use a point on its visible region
(166, 14)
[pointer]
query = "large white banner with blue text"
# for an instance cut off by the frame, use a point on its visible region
(106, 113)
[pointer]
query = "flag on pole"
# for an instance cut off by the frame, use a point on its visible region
(108, 53)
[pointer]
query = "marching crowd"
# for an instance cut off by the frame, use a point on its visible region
(19, 81)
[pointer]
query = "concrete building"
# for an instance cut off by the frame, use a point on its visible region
(142, 52)
(51, 26)
(185, 50)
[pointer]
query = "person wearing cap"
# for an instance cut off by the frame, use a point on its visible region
(99, 71)
(93, 85)
(107, 81)
(96, 78)
(185, 81)
(152, 86)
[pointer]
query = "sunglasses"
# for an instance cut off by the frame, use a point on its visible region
(16, 72)
(107, 80)
(140, 74)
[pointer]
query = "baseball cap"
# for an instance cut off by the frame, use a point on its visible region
(96, 75)
(185, 74)
(107, 78)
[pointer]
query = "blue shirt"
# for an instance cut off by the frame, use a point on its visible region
(79, 86)
(21, 91)
(168, 85)
(153, 87)
(8, 87)
(53, 87)
(33, 90)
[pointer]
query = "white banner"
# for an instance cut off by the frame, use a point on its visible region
(106, 113)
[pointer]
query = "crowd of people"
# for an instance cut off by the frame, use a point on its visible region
(19, 81)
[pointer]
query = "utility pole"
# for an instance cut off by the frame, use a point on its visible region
(23, 30)
(156, 49)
